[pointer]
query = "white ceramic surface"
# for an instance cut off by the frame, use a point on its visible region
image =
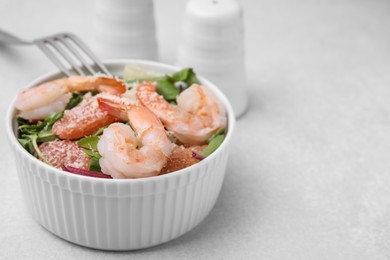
(212, 42)
(125, 29)
(114, 214)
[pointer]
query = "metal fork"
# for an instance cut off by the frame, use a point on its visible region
(63, 48)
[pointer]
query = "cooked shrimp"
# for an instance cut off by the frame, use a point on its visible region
(53, 96)
(196, 117)
(41, 112)
(128, 153)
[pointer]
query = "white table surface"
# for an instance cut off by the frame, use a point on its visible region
(308, 176)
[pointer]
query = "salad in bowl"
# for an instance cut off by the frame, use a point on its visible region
(141, 124)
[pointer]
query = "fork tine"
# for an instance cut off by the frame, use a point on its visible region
(54, 42)
(65, 40)
(49, 53)
(91, 55)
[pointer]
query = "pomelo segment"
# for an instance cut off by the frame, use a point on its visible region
(181, 157)
(61, 153)
(84, 119)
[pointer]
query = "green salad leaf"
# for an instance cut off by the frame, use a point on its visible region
(89, 142)
(213, 142)
(165, 85)
(166, 88)
(74, 100)
(186, 75)
(30, 134)
(94, 165)
(89, 146)
(220, 131)
(213, 145)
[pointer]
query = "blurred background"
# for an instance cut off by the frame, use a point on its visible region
(308, 175)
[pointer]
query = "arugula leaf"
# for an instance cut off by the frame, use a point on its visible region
(22, 121)
(186, 75)
(166, 88)
(89, 142)
(46, 135)
(89, 146)
(37, 150)
(166, 85)
(50, 120)
(213, 145)
(94, 165)
(25, 127)
(29, 129)
(30, 134)
(74, 100)
(91, 153)
(26, 144)
(218, 132)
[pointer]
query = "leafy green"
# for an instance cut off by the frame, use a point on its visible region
(38, 152)
(27, 144)
(213, 145)
(25, 127)
(89, 146)
(186, 75)
(218, 132)
(94, 165)
(91, 153)
(89, 142)
(22, 121)
(46, 135)
(50, 120)
(75, 100)
(166, 88)
(166, 84)
(30, 134)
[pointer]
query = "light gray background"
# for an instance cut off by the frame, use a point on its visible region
(309, 174)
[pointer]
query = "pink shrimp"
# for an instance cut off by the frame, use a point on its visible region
(128, 153)
(39, 102)
(196, 117)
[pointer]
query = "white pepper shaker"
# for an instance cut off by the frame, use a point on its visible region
(125, 29)
(212, 42)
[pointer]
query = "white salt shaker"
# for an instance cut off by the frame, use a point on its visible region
(212, 43)
(125, 29)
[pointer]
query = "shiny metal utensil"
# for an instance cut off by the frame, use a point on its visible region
(63, 49)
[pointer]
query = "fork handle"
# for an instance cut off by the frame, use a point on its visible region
(8, 38)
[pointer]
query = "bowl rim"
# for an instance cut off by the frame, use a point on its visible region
(118, 62)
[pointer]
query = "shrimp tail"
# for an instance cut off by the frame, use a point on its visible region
(110, 105)
(110, 86)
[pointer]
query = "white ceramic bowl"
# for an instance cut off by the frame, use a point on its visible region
(113, 214)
